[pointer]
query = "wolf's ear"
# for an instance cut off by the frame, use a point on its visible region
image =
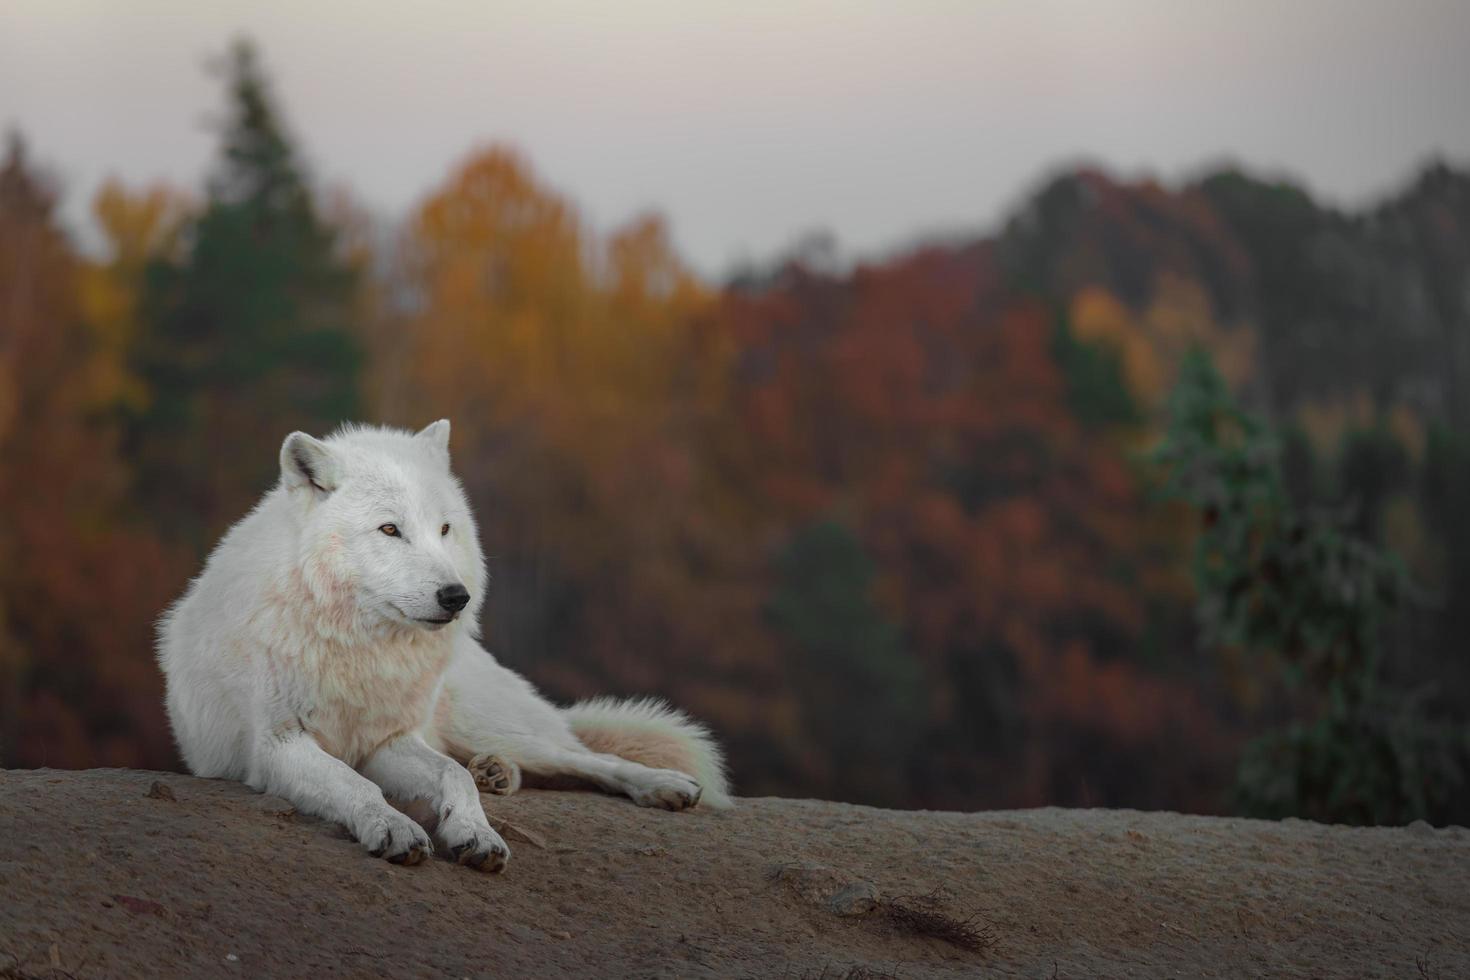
(437, 435)
(309, 462)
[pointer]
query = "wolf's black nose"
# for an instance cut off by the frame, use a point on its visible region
(454, 597)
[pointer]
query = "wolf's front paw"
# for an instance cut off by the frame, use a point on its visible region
(665, 788)
(472, 842)
(494, 774)
(391, 835)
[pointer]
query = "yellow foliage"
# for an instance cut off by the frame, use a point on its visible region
(567, 355)
(1180, 318)
(522, 310)
(1408, 428)
(1098, 317)
(137, 227)
(1326, 421)
(1405, 534)
(1151, 344)
(500, 266)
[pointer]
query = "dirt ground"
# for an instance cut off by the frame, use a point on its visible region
(98, 878)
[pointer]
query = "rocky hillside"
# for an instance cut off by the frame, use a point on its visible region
(123, 873)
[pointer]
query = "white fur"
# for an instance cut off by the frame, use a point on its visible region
(306, 660)
(652, 716)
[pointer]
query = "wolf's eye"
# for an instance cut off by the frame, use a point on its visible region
(390, 529)
(444, 530)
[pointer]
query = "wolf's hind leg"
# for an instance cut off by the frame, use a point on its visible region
(408, 769)
(645, 786)
(487, 711)
(494, 774)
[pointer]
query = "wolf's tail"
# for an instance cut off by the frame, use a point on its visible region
(651, 732)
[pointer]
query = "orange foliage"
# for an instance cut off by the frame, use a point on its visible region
(639, 450)
(78, 588)
(921, 403)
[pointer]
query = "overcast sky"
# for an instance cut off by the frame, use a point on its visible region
(748, 123)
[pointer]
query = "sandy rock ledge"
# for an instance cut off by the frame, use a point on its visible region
(109, 873)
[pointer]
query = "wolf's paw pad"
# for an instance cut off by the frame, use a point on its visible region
(398, 839)
(667, 789)
(478, 847)
(494, 774)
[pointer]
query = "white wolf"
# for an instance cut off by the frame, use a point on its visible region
(328, 654)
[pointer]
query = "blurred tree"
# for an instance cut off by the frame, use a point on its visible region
(853, 675)
(36, 324)
(1446, 489)
(656, 468)
(1300, 591)
(1096, 386)
(922, 400)
(247, 328)
(78, 586)
(1371, 466)
(138, 229)
(584, 385)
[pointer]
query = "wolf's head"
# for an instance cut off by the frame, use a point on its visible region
(385, 525)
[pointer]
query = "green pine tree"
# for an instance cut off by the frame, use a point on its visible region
(248, 333)
(1297, 589)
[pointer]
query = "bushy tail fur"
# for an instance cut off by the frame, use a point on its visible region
(652, 732)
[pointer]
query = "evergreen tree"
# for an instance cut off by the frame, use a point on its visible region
(1299, 590)
(247, 333)
(860, 690)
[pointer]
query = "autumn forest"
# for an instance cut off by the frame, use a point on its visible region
(1151, 496)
